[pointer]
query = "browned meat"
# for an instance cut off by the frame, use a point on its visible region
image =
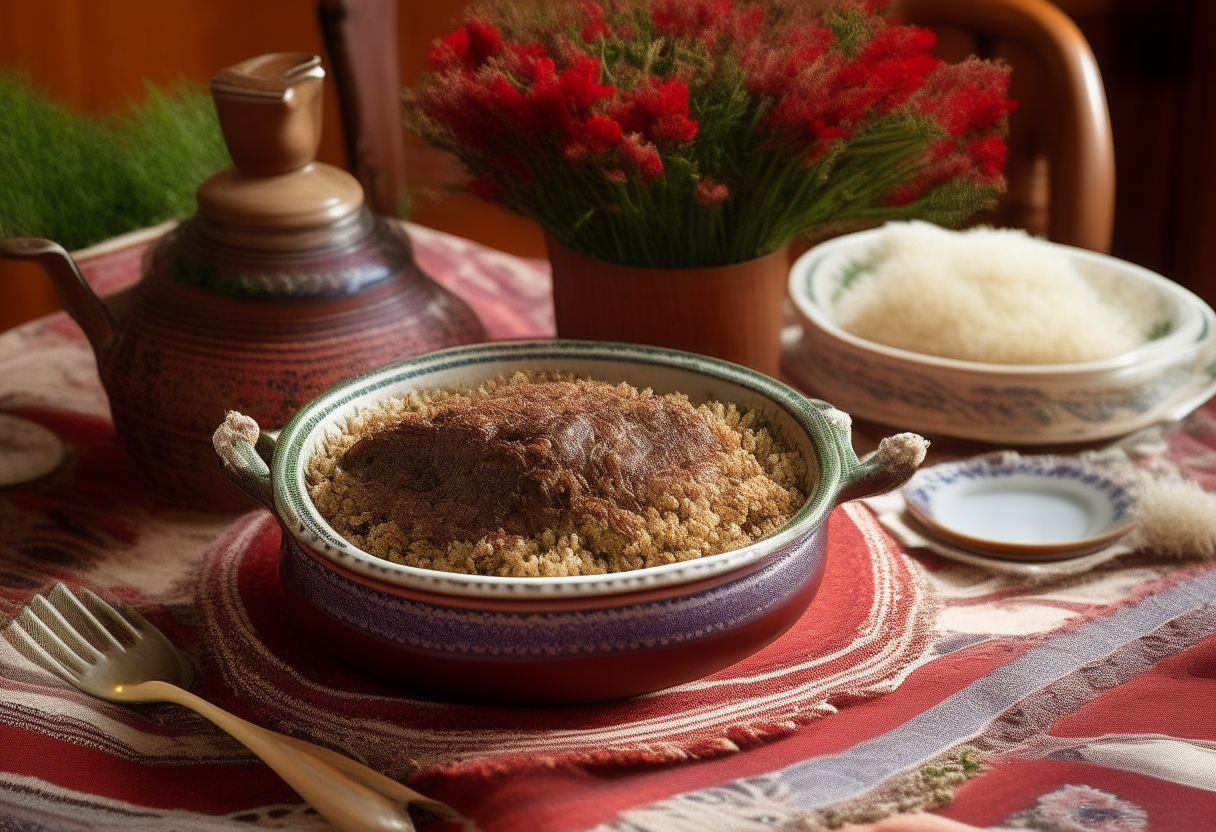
(520, 459)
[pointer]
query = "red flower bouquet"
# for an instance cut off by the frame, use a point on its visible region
(683, 133)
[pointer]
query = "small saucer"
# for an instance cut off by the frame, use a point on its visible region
(1021, 507)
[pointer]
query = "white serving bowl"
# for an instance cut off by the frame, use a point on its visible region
(1008, 404)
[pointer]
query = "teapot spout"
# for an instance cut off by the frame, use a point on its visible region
(81, 302)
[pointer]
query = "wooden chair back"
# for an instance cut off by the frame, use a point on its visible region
(1061, 167)
(361, 38)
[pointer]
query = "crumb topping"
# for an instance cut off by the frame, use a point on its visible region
(549, 475)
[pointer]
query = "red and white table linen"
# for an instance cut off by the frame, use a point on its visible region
(1085, 700)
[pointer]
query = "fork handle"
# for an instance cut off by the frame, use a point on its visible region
(346, 803)
(369, 777)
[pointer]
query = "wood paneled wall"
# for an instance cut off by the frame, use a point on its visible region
(1158, 62)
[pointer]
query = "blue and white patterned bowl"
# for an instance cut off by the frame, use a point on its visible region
(1022, 507)
(545, 640)
(1007, 404)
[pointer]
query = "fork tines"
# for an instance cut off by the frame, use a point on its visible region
(66, 633)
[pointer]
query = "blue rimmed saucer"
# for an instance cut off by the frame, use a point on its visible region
(1021, 507)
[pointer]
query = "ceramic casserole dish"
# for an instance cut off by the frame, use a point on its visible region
(556, 640)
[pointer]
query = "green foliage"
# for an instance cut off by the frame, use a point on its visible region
(851, 27)
(843, 189)
(77, 180)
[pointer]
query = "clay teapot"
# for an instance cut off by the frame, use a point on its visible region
(280, 286)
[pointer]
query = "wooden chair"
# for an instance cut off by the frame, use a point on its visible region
(361, 38)
(1061, 167)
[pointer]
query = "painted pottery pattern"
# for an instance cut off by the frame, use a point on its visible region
(625, 628)
(184, 354)
(920, 490)
(868, 386)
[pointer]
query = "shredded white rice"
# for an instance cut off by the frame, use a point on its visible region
(989, 295)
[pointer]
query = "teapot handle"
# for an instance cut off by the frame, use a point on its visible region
(244, 451)
(885, 469)
(77, 296)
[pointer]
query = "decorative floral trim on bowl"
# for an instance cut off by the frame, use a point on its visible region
(964, 503)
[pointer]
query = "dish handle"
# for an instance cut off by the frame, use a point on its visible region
(885, 469)
(244, 451)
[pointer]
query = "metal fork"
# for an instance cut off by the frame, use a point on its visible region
(120, 656)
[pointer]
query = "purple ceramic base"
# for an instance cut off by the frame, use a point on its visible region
(563, 655)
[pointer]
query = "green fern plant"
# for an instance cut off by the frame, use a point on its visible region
(79, 180)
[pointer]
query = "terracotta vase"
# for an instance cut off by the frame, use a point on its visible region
(731, 312)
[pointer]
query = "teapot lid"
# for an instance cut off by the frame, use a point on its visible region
(276, 197)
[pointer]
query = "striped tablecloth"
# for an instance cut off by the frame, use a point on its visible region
(1077, 703)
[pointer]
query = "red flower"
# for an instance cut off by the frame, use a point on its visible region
(988, 155)
(469, 47)
(659, 112)
(595, 26)
(452, 48)
(592, 100)
(591, 137)
(981, 161)
(580, 84)
(894, 65)
(595, 29)
(968, 100)
(968, 97)
(520, 58)
(484, 40)
(642, 156)
(710, 193)
(712, 23)
(772, 71)
(690, 18)
(822, 96)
